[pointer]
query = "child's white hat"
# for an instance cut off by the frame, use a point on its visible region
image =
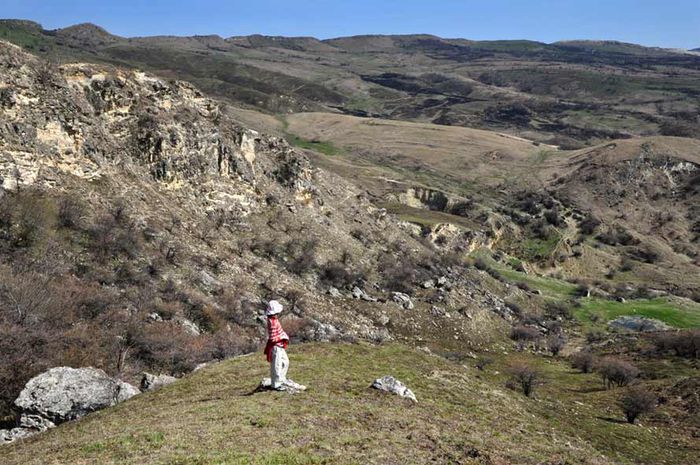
(273, 308)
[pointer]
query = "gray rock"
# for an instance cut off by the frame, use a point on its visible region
(318, 331)
(441, 281)
(402, 299)
(200, 366)
(335, 293)
(428, 284)
(126, 391)
(155, 317)
(63, 393)
(638, 323)
(358, 293)
(35, 422)
(393, 385)
(151, 382)
(10, 435)
(189, 326)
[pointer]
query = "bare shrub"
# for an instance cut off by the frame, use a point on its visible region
(558, 310)
(70, 212)
(595, 335)
(589, 224)
(681, 343)
(400, 276)
(637, 401)
(616, 372)
(336, 275)
(296, 327)
(301, 256)
(583, 360)
(524, 333)
(526, 377)
(555, 343)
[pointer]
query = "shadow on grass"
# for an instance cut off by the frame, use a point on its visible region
(586, 390)
(612, 420)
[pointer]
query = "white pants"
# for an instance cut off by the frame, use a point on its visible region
(278, 367)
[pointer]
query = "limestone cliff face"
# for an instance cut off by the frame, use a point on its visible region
(88, 121)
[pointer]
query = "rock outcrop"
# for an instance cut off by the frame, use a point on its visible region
(638, 323)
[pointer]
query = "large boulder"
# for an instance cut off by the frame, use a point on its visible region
(393, 385)
(63, 394)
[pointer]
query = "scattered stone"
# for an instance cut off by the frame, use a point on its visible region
(208, 280)
(189, 326)
(335, 293)
(441, 281)
(155, 317)
(638, 323)
(402, 299)
(10, 435)
(428, 284)
(35, 422)
(151, 382)
(393, 385)
(358, 293)
(200, 366)
(437, 311)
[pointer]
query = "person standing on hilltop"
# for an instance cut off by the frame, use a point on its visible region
(276, 351)
(276, 347)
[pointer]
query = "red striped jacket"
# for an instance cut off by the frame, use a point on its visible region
(275, 336)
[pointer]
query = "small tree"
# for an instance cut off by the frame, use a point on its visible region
(617, 372)
(555, 343)
(526, 377)
(583, 361)
(637, 401)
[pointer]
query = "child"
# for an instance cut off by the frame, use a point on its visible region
(276, 348)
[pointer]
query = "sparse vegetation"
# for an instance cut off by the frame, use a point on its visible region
(616, 372)
(637, 401)
(583, 360)
(526, 377)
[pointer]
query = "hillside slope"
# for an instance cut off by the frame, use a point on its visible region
(462, 416)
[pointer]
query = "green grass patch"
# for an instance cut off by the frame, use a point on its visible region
(671, 312)
(326, 148)
(535, 249)
(550, 287)
(424, 217)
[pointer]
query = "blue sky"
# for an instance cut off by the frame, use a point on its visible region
(666, 23)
